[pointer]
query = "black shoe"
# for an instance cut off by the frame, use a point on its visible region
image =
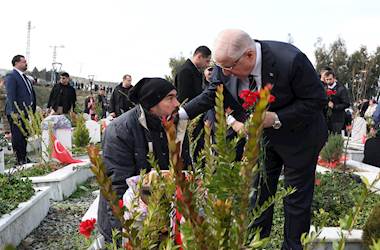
(25, 161)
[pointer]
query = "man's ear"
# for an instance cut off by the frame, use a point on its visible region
(250, 53)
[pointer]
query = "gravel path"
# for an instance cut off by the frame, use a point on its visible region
(59, 229)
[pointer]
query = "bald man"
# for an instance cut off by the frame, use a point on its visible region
(295, 129)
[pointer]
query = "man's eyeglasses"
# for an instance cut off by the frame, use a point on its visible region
(210, 69)
(233, 65)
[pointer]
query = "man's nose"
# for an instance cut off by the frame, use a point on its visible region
(176, 102)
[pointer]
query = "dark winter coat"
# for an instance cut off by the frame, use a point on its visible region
(188, 81)
(341, 102)
(371, 151)
(127, 141)
(119, 102)
(62, 95)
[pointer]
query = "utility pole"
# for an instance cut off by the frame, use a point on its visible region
(56, 66)
(55, 51)
(28, 41)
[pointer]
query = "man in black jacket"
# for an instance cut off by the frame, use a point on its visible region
(371, 148)
(338, 102)
(188, 80)
(131, 136)
(295, 128)
(119, 102)
(189, 84)
(62, 96)
(102, 100)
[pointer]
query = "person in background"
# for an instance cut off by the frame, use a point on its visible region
(372, 148)
(90, 106)
(372, 104)
(188, 80)
(189, 84)
(322, 75)
(102, 100)
(338, 102)
(62, 97)
(119, 102)
(376, 115)
(20, 91)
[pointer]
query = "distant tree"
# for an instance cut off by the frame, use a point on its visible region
(174, 64)
(359, 71)
(321, 54)
(339, 57)
(35, 72)
(374, 75)
(43, 74)
(358, 63)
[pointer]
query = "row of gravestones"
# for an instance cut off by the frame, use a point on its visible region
(62, 130)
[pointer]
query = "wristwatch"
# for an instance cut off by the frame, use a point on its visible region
(277, 123)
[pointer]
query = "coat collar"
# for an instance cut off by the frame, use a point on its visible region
(142, 120)
(269, 74)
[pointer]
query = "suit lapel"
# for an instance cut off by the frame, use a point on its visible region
(269, 73)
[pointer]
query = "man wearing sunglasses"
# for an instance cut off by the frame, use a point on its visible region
(295, 128)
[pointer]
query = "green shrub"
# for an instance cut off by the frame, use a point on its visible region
(81, 134)
(39, 169)
(336, 195)
(333, 149)
(371, 230)
(13, 190)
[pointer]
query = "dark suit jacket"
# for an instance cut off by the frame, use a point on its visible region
(18, 92)
(371, 151)
(300, 97)
(188, 81)
(341, 102)
(64, 95)
(119, 102)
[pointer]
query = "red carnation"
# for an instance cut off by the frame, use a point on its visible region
(330, 92)
(86, 227)
(269, 86)
(272, 99)
(121, 204)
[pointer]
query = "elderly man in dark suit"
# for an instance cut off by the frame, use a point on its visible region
(295, 128)
(20, 91)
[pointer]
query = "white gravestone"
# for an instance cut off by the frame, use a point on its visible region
(1, 161)
(94, 131)
(359, 130)
(61, 127)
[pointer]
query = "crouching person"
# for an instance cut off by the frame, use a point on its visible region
(131, 136)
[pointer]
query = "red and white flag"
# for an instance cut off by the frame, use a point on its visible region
(60, 152)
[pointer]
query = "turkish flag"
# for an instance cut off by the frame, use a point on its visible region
(60, 153)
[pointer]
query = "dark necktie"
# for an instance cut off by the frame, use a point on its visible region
(252, 83)
(28, 86)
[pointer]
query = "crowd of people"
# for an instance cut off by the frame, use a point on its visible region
(17, 94)
(296, 125)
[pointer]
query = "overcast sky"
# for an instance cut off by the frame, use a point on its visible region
(111, 38)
